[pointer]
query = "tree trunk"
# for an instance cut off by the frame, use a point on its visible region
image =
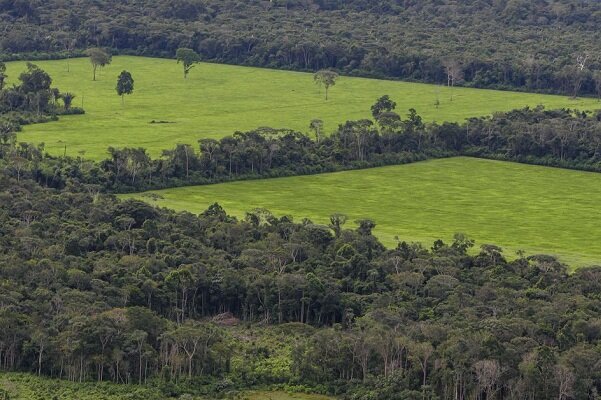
(40, 360)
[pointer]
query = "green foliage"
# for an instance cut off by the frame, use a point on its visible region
(96, 289)
(383, 105)
(188, 58)
(203, 106)
(3, 75)
(495, 44)
(31, 100)
(34, 80)
(326, 79)
(99, 58)
(125, 84)
(28, 387)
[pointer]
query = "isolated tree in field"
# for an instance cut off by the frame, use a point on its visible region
(125, 85)
(188, 58)
(69, 45)
(98, 58)
(2, 74)
(67, 100)
(325, 78)
(454, 72)
(316, 126)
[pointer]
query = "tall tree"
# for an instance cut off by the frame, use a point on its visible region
(454, 72)
(2, 74)
(67, 100)
(98, 58)
(382, 105)
(188, 58)
(580, 70)
(325, 78)
(316, 126)
(125, 85)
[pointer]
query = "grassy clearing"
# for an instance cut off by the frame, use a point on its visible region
(520, 207)
(217, 100)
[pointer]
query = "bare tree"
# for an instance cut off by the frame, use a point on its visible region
(421, 352)
(565, 379)
(316, 126)
(454, 72)
(579, 73)
(488, 373)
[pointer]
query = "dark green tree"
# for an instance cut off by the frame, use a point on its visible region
(383, 105)
(125, 85)
(188, 58)
(67, 100)
(2, 75)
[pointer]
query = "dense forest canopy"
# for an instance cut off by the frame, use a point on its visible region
(97, 289)
(547, 45)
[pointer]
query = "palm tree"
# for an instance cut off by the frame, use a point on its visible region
(67, 100)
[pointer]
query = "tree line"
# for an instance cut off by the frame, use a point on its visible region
(561, 138)
(547, 46)
(32, 100)
(97, 289)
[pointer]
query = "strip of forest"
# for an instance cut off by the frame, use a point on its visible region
(547, 46)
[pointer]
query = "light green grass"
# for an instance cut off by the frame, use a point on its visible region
(517, 206)
(217, 100)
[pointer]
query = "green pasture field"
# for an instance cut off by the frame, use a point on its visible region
(217, 100)
(517, 206)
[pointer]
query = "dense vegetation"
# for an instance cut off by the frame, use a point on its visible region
(20, 386)
(176, 305)
(32, 100)
(97, 289)
(543, 45)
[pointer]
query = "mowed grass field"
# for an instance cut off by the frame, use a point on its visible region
(517, 206)
(217, 100)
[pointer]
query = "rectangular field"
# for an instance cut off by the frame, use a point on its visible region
(217, 100)
(520, 207)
